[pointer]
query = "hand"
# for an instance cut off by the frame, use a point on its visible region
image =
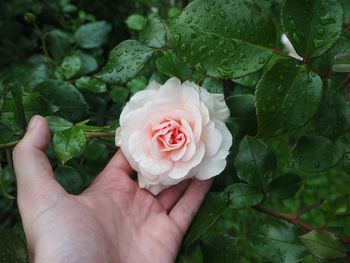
(112, 221)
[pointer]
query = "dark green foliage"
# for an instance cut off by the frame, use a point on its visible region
(78, 62)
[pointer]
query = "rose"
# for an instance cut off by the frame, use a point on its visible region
(173, 132)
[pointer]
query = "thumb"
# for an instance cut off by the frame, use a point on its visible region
(36, 184)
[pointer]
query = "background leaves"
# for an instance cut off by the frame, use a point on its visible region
(312, 26)
(78, 62)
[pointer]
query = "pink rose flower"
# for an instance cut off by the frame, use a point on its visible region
(173, 132)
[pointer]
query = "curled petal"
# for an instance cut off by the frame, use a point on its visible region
(212, 139)
(180, 170)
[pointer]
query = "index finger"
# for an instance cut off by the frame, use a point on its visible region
(186, 208)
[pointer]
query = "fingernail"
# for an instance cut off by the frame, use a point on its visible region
(32, 122)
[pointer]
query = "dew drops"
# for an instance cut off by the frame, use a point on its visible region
(225, 72)
(318, 43)
(202, 48)
(320, 31)
(207, 9)
(120, 68)
(316, 164)
(327, 19)
(222, 14)
(261, 60)
(194, 35)
(313, 74)
(189, 19)
(177, 37)
(280, 89)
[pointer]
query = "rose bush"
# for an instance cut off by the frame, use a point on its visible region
(282, 67)
(173, 132)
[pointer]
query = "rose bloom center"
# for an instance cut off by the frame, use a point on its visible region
(170, 135)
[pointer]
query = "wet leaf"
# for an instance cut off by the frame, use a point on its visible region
(124, 62)
(313, 26)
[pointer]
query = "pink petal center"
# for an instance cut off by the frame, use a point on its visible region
(170, 135)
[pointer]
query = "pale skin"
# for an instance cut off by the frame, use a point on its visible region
(111, 221)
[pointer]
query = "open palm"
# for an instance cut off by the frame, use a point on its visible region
(112, 221)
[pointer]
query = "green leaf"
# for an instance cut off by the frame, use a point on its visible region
(5, 133)
(137, 84)
(57, 124)
(255, 162)
(26, 74)
(313, 26)
(214, 86)
(92, 84)
(4, 186)
(287, 97)
(96, 150)
(341, 68)
(70, 66)
(324, 63)
(58, 44)
(68, 144)
(250, 80)
(277, 242)
(12, 248)
(222, 37)
(243, 112)
(336, 212)
(124, 62)
(340, 206)
(136, 22)
(66, 97)
(119, 94)
(220, 248)
(343, 58)
(153, 33)
(174, 12)
(243, 196)
(323, 245)
(88, 63)
(284, 186)
(334, 109)
(346, 163)
(69, 179)
(171, 65)
(33, 104)
(315, 153)
(346, 8)
(19, 114)
(93, 35)
(211, 209)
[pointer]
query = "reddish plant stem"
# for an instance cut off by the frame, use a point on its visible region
(309, 207)
(286, 217)
(345, 240)
(294, 219)
(347, 28)
(8, 145)
(346, 82)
